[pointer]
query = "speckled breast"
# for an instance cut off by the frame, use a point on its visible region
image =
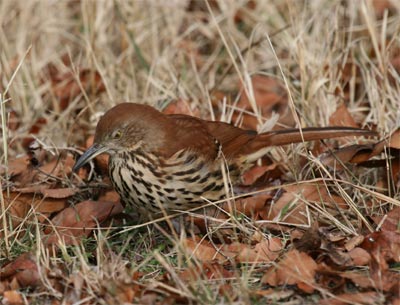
(152, 184)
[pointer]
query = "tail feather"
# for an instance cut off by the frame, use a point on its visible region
(283, 137)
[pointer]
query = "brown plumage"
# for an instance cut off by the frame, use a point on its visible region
(170, 162)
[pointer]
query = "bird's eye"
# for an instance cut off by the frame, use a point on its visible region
(117, 134)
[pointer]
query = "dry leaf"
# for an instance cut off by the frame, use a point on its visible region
(391, 220)
(12, 297)
(270, 96)
(295, 268)
(249, 206)
(291, 207)
(342, 117)
(366, 298)
(353, 242)
(15, 166)
(265, 251)
(66, 87)
(256, 172)
(360, 257)
(19, 205)
(180, 106)
(75, 222)
(59, 193)
(24, 269)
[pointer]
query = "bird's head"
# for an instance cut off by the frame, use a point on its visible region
(126, 127)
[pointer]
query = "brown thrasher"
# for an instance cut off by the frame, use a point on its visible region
(170, 162)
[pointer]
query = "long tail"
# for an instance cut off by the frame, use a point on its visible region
(258, 144)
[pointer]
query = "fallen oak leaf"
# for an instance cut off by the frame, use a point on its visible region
(12, 297)
(342, 117)
(270, 96)
(360, 257)
(256, 172)
(366, 298)
(69, 85)
(207, 270)
(24, 269)
(291, 206)
(384, 247)
(390, 221)
(59, 192)
(20, 205)
(267, 250)
(72, 223)
(385, 243)
(296, 268)
(204, 251)
(264, 251)
(33, 178)
(249, 206)
(180, 106)
(361, 154)
(15, 166)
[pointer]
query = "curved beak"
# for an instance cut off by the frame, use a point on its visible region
(91, 153)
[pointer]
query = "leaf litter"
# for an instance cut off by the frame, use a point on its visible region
(299, 237)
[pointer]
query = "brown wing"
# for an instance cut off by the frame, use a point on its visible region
(232, 139)
(191, 133)
(237, 142)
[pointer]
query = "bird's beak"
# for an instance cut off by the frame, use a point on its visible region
(91, 153)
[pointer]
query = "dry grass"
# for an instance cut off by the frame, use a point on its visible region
(154, 52)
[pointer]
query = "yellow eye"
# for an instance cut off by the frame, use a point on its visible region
(117, 134)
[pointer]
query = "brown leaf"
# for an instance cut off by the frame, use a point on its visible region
(361, 279)
(13, 120)
(110, 196)
(353, 153)
(342, 117)
(353, 242)
(354, 298)
(180, 106)
(24, 269)
(12, 297)
(295, 268)
(249, 206)
(19, 205)
(59, 193)
(391, 220)
(270, 96)
(209, 271)
(385, 243)
(384, 247)
(35, 128)
(360, 257)
(79, 221)
(264, 251)
(35, 179)
(204, 251)
(15, 166)
(253, 174)
(290, 207)
(66, 87)
(394, 140)
(311, 239)
(380, 6)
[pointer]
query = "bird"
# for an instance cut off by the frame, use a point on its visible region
(163, 163)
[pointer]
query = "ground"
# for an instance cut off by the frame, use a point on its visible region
(313, 223)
